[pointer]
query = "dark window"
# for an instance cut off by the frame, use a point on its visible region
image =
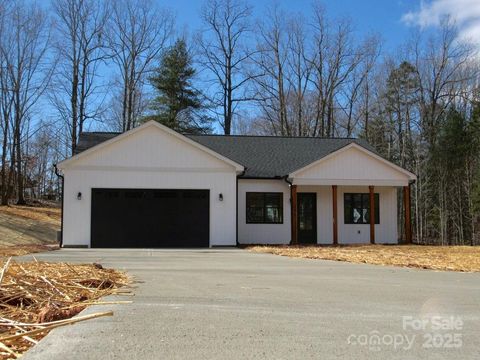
(357, 208)
(264, 208)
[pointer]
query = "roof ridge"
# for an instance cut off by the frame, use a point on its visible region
(276, 136)
(237, 135)
(101, 132)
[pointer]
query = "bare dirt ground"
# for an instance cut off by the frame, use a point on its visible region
(26, 229)
(451, 258)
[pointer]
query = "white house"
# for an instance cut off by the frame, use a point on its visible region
(154, 187)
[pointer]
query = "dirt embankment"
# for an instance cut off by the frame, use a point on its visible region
(25, 229)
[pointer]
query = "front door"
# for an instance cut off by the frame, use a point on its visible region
(307, 218)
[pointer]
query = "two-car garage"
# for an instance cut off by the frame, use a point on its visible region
(151, 218)
(150, 187)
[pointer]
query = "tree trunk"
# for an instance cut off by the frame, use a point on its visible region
(5, 186)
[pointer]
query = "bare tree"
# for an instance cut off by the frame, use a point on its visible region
(41, 155)
(138, 32)
(300, 71)
(6, 97)
(224, 54)
(29, 69)
(442, 63)
(284, 70)
(357, 88)
(335, 58)
(80, 26)
(273, 43)
(447, 71)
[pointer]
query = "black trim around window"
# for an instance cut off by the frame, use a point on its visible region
(356, 208)
(264, 208)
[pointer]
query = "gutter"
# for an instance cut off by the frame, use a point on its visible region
(62, 199)
(287, 181)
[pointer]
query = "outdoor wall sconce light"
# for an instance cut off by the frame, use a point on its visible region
(220, 197)
(79, 196)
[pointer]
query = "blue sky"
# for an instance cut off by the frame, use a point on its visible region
(381, 16)
(393, 19)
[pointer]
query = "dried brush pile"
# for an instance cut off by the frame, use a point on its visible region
(36, 297)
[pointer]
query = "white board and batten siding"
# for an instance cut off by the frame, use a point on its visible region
(385, 231)
(263, 233)
(353, 169)
(352, 165)
(152, 159)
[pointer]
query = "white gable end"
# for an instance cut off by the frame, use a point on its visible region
(352, 166)
(150, 148)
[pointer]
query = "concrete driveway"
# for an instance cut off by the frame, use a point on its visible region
(232, 304)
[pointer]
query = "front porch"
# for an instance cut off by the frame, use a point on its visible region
(335, 215)
(350, 182)
(328, 202)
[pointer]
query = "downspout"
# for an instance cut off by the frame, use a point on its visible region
(62, 199)
(290, 183)
(236, 207)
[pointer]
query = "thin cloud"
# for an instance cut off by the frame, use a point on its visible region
(466, 13)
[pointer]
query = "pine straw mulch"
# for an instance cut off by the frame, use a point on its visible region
(36, 297)
(450, 258)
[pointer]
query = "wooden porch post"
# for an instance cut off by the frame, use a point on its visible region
(293, 205)
(372, 214)
(408, 224)
(335, 215)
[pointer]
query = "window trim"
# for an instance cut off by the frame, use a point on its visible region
(377, 208)
(264, 193)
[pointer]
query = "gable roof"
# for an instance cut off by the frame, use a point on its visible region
(262, 156)
(100, 140)
(363, 149)
(273, 156)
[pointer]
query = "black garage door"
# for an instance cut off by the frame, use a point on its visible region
(128, 218)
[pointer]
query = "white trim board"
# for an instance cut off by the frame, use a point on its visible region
(350, 182)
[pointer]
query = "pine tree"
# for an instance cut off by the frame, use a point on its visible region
(400, 97)
(456, 162)
(474, 171)
(178, 104)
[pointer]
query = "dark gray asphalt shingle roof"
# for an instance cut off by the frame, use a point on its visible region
(262, 156)
(90, 139)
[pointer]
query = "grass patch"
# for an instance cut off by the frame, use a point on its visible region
(450, 258)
